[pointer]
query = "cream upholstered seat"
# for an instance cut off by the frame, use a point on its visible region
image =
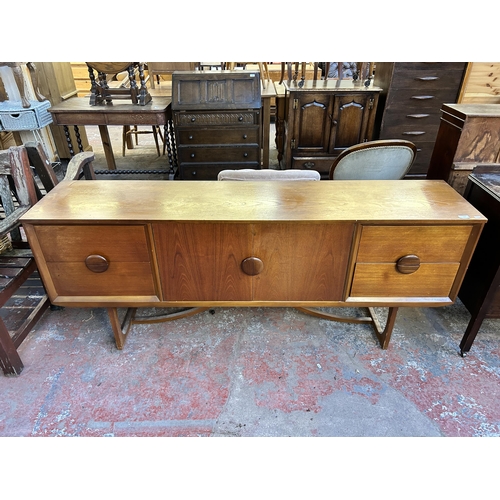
(248, 174)
(374, 160)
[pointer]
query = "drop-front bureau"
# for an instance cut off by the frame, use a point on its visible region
(205, 244)
(217, 121)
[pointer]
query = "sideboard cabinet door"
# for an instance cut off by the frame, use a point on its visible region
(267, 262)
(202, 261)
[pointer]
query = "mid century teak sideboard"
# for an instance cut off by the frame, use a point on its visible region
(201, 244)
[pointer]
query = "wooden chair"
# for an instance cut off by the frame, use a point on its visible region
(18, 193)
(374, 160)
(134, 130)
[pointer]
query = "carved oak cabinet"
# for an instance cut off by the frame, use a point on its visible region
(322, 118)
(217, 121)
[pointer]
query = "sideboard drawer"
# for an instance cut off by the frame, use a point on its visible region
(413, 261)
(97, 260)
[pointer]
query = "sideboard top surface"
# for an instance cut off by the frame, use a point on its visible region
(111, 201)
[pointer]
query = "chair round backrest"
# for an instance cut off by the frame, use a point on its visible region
(378, 160)
(248, 174)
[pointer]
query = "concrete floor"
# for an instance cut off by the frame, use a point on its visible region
(252, 372)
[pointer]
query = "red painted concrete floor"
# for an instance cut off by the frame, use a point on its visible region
(254, 372)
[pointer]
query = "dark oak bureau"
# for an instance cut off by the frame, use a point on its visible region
(217, 121)
(410, 103)
(480, 290)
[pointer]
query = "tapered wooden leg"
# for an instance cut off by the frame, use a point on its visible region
(120, 328)
(384, 334)
(10, 360)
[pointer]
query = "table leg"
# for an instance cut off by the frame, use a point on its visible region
(108, 150)
(266, 125)
(78, 138)
(68, 140)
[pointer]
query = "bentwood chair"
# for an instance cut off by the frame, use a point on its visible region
(374, 160)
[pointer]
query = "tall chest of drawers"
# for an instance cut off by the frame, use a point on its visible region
(217, 121)
(410, 103)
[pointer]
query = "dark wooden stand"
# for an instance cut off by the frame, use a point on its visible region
(480, 291)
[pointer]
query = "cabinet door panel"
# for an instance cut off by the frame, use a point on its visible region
(202, 261)
(351, 115)
(302, 262)
(312, 118)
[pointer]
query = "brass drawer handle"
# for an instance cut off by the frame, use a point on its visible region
(252, 266)
(408, 264)
(97, 263)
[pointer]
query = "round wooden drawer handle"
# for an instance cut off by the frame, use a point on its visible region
(408, 264)
(252, 266)
(97, 263)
